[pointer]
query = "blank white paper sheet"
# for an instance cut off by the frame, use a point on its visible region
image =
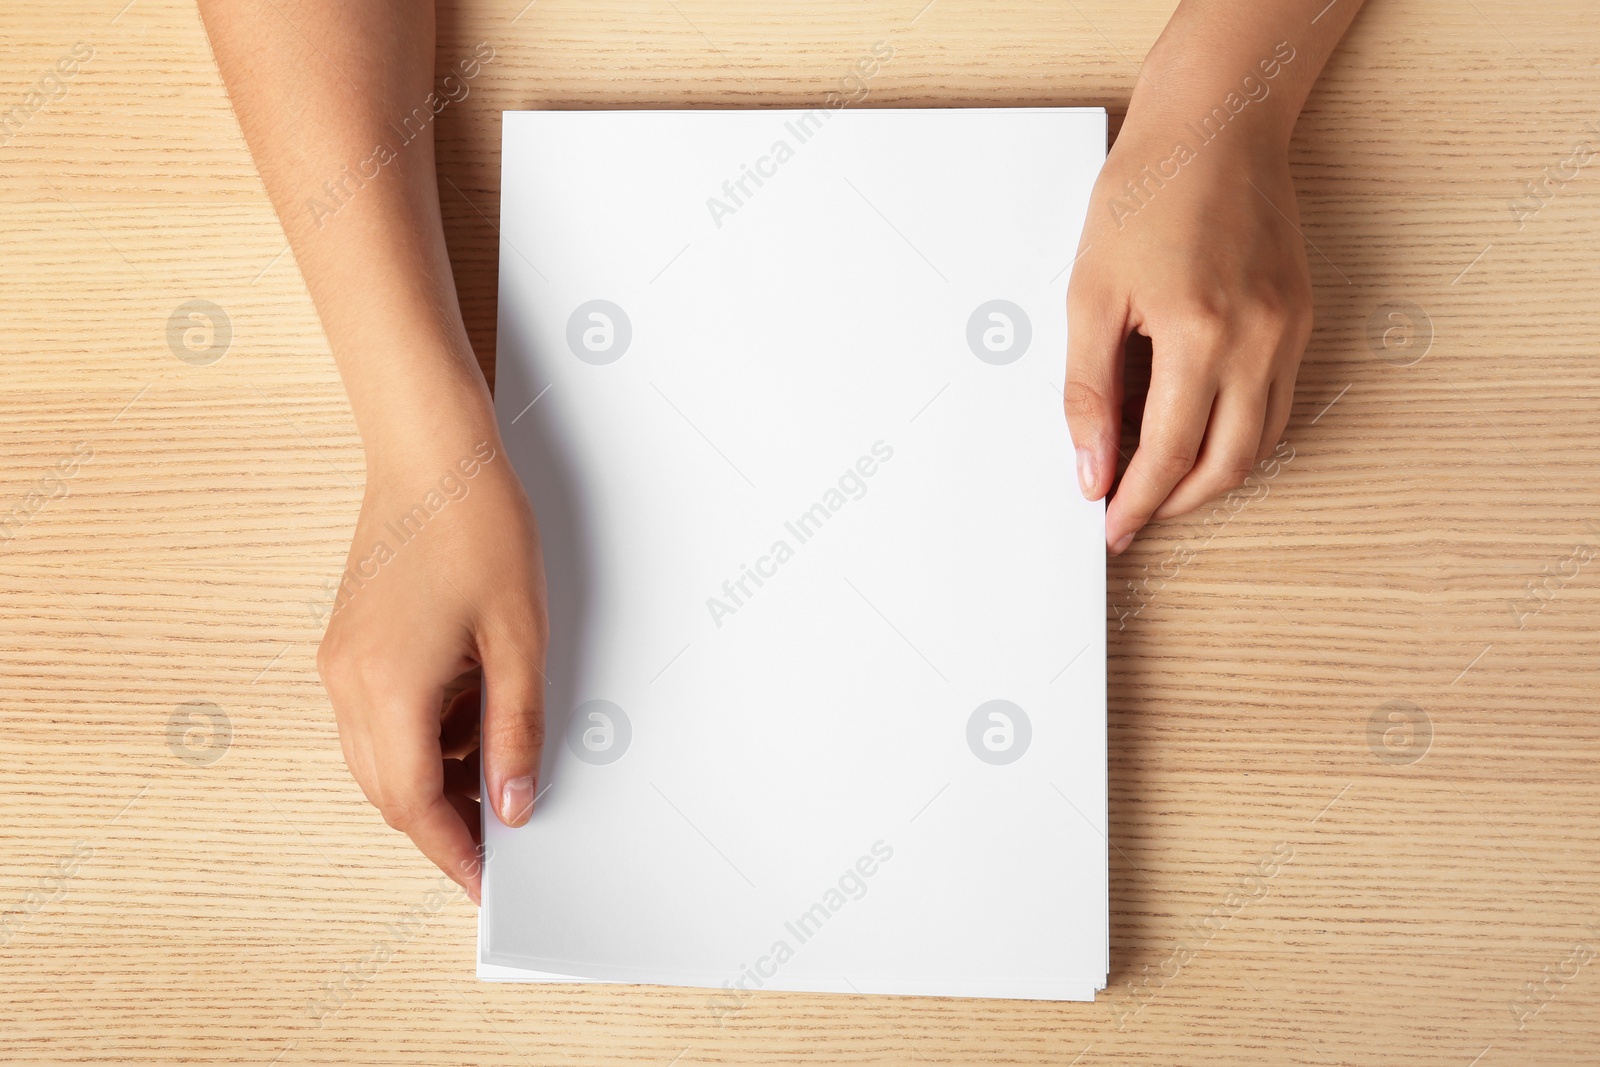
(826, 680)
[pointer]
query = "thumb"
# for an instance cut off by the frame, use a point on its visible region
(1096, 333)
(513, 720)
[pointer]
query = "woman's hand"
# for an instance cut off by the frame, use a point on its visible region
(444, 575)
(1193, 240)
(1202, 256)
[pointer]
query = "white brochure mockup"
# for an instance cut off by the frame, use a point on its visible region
(826, 679)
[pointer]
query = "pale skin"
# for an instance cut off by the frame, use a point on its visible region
(1209, 264)
(1208, 267)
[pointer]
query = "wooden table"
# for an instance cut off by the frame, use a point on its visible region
(1378, 669)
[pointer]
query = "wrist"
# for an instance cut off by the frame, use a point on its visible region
(421, 414)
(1168, 144)
(1241, 105)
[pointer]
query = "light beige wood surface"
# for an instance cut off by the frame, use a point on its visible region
(162, 909)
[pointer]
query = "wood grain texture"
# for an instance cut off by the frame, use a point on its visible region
(211, 906)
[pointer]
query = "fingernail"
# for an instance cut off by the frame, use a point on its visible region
(1086, 479)
(516, 800)
(472, 895)
(1122, 545)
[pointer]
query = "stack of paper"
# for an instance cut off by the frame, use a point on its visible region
(826, 701)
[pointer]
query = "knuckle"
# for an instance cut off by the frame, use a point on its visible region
(371, 679)
(1083, 401)
(1300, 326)
(1278, 314)
(1268, 309)
(404, 814)
(1203, 320)
(1173, 462)
(334, 662)
(520, 733)
(352, 666)
(1224, 474)
(1083, 296)
(1256, 373)
(1235, 472)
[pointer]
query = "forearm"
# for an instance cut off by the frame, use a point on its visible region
(1243, 67)
(337, 107)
